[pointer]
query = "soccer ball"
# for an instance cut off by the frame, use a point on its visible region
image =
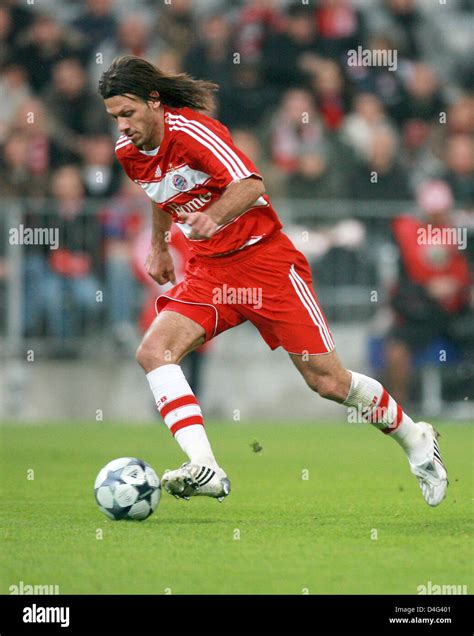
(127, 488)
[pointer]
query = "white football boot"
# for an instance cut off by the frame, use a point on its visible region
(430, 471)
(191, 480)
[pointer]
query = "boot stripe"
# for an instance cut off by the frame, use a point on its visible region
(203, 473)
(203, 468)
(203, 483)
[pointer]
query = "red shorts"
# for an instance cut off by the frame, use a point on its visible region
(268, 284)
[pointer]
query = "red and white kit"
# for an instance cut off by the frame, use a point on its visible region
(249, 270)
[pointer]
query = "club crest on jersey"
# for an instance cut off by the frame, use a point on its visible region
(180, 183)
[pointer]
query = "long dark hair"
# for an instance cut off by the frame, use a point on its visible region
(133, 75)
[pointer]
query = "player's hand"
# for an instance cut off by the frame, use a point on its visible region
(159, 265)
(442, 288)
(202, 225)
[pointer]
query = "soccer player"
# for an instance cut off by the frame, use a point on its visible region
(243, 268)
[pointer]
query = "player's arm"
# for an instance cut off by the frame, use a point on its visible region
(237, 198)
(159, 263)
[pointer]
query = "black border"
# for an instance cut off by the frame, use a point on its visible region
(139, 614)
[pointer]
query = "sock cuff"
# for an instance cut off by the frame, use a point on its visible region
(362, 390)
(163, 374)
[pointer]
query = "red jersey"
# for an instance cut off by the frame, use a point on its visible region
(191, 169)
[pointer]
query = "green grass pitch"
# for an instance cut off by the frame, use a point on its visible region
(356, 525)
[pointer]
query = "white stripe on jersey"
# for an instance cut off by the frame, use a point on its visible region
(234, 157)
(122, 144)
(311, 307)
(219, 149)
(163, 191)
(195, 135)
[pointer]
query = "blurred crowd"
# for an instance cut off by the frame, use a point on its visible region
(317, 127)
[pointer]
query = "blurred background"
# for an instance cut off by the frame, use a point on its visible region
(356, 160)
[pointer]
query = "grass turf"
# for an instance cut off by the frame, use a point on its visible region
(357, 525)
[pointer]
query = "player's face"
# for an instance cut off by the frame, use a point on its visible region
(135, 118)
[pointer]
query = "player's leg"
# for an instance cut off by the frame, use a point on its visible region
(170, 337)
(326, 375)
(398, 368)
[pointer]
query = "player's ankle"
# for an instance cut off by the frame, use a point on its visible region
(412, 440)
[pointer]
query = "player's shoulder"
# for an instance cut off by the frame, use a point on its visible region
(124, 148)
(182, 121)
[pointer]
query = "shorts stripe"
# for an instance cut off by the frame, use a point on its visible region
(314, 303)
(308, 301)
(310, 310)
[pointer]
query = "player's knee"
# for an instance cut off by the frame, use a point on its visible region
(151, 354)
(327, 386)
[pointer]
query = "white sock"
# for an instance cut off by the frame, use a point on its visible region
(375, 405)
(181, 413)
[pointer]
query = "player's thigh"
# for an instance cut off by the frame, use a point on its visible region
(168, 339)
(324, 373)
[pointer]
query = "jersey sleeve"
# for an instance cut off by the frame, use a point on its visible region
(211, 150)
(121, 153)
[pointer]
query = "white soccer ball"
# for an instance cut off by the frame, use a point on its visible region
(127, 488)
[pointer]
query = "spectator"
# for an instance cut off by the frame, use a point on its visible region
(170, 61)
(177, 26)
(95, 25)
(381, 178)
(290, 58)
(406, 20)
(317, 176)
(46, 42)
(74, 111)
(258, 19)
(134, 37)
(361, 124)
(71, 283)
(250, 97)
(460, 169)
(101, 173)
(417, 154)
(341, 25)
(21, 18)
(379, 80)
(460, 116)
(121, 220)
(328, 85)
(17, 175)
(44, 153)
(432, 293)
(6, 35)
(211, 58)
(13, 82)
(423, 99)
(295, 126)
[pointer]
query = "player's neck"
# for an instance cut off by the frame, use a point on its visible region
(159, 131)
